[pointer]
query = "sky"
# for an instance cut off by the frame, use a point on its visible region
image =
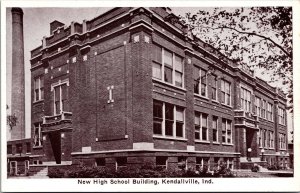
(37, 24)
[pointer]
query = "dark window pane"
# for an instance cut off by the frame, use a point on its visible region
(197, 135)
(179, 129)
(204, 133)
(213, 94)
(157, 127)
(100, 161)
(122, 161)
(157, 109)
(169, 128)
(215, 135)
(168, 75)
(169, 111)
(161, 160)
(156, 53)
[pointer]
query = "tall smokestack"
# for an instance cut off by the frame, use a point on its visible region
(18, 82)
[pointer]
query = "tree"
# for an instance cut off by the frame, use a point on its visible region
(258, 37)
(11, 119)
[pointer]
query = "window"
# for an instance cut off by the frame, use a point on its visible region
(121, 162)
(260, 136)
(182, 162)
(19, 148)
(226, 131)
(215, 128)
(167, 66)
(60, 98)
(39, 88)
(200, 81)
(100, 161)
(282, 141)
(271, 139)
(168, 119)
(225, 92)
(178, 71)
(161, 162)
(265, 138)
(263, 108)
(257, 106)
(228, 162)
(28, 147)
(38, 135)
(202, 163)
(270, 112)
(157, 117)
(245, 100)
(281, 116)
(201, 130)
(9, 149)
(214, 84)
(157, 62)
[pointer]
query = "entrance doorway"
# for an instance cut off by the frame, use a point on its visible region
(55, 141)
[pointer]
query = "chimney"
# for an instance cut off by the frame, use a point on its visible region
(18, 82)
(54, 25)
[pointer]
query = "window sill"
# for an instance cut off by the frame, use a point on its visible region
(170, 138)
(228, 144)
(227, 105)
(215, 101)
(203, 97)
(281, 124)
(200, 141)
(39, 101)
(168, 84)
(216, 143)
(37, 147)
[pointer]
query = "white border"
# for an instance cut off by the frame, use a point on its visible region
(236, 184)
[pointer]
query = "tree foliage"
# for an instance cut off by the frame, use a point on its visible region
(258, 37)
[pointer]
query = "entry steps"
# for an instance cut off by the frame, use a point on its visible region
(41, 174)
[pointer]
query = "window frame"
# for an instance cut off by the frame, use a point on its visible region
(199, 71)
(226, 131)
(223, 92)
(200, 130)
(257, 106)
(174, 121)
(171, 67)
(40, 138)
(38, 90)
(217, 130)
(55, 85)
(214, 79)
(269, 111)
(246, 103)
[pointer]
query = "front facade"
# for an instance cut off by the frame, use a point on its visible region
(133, 86)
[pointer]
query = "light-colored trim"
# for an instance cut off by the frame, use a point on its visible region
(172, 138)
(190, 148)
(143, 145)
(133, 25)
(201, 141)
(153, 150)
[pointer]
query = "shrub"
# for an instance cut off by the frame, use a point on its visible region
(273, 167)
(255, 168)
(223, 171)
(143, 172)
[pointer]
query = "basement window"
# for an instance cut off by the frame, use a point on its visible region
(182, 162)
(161, 162)
(100, 162)
(121, 162)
